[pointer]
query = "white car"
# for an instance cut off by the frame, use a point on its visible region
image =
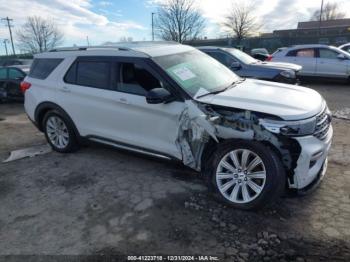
(250, 139)
(345, 47)
(317, 60)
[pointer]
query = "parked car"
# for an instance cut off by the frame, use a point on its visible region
(246, 66)
(345, 47)
(317, 60)
(10, 79)
(16, 62)
(260, 53)
(250, 139)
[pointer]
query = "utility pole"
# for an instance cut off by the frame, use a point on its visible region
(320, 22)
(152, 27)
(5, 41)
(87, 40)
(8, 20)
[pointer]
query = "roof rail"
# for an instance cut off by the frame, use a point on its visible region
(123, 46)
(84, 48)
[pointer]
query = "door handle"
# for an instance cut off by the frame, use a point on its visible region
(123, 100)
(65, 89)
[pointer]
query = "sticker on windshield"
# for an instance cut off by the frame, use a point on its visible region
(184, 73)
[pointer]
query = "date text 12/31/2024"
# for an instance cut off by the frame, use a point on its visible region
(173, 258)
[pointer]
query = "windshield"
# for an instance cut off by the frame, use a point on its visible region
(196, 72)
(241, 56)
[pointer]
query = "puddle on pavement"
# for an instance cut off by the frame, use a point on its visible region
(28, 152)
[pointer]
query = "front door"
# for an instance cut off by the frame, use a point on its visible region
(329, 65)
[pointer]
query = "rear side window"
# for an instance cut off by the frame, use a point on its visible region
(307, 52)
(43, 67)
(89, 73)
(15, 74)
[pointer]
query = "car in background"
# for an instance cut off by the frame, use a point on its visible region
(16, 62)
(345, 47)
(260, 53)
(317, 61)
(246, 66)
(10, 80)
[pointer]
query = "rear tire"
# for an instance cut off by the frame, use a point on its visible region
(59, 132)
(246, 175)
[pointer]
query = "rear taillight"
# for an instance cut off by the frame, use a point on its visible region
(269, 58)
(25, 86)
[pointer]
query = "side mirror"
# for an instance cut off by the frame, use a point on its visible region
(158, 96)
(342, 57)
(235, 66)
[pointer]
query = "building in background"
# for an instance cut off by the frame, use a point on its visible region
(331, 32)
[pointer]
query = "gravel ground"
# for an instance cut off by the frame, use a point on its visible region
(103, 201)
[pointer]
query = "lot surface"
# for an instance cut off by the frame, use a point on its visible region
(103, 201)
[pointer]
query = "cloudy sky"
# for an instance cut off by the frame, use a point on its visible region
(110, 20)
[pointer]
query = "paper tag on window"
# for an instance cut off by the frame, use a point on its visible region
(183, 73)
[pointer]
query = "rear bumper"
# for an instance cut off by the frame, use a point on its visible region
(312, 162)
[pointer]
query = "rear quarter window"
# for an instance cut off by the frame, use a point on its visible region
(43, 67)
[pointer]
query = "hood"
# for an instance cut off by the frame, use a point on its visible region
(280, 66)
(289, 102)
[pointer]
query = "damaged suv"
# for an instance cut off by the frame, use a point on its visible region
(250, 139)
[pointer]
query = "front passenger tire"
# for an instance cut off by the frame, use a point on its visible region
(59, 132)
(246, 174)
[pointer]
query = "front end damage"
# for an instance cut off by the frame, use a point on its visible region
(200, 123)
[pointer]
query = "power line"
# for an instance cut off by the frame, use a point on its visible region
(8, 20)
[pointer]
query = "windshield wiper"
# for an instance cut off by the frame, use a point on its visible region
(219, 91)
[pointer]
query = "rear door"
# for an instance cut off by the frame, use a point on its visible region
(88, 96)
(306, 57)
(329, 65)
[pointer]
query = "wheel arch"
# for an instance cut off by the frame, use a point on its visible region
(45, 107)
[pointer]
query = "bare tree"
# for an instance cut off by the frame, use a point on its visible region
(241, 22)
(330, 11)
(38, 35)
(178, 20)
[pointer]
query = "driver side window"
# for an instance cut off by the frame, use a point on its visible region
(135, 79)
(222, 58)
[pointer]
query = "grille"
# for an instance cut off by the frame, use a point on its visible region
(323, 123)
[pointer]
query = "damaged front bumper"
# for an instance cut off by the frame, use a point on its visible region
(312, 162)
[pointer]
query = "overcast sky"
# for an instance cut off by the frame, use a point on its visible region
(110, 20)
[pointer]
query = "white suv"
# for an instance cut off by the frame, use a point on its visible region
(249, 138)
(317, 61)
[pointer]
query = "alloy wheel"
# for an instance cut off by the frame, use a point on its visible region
(57, 132)
(241, 176)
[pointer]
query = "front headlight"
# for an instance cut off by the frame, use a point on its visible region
(288, 74)
(290, 128)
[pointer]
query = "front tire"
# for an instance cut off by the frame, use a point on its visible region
(246, 175)
(59, 132)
